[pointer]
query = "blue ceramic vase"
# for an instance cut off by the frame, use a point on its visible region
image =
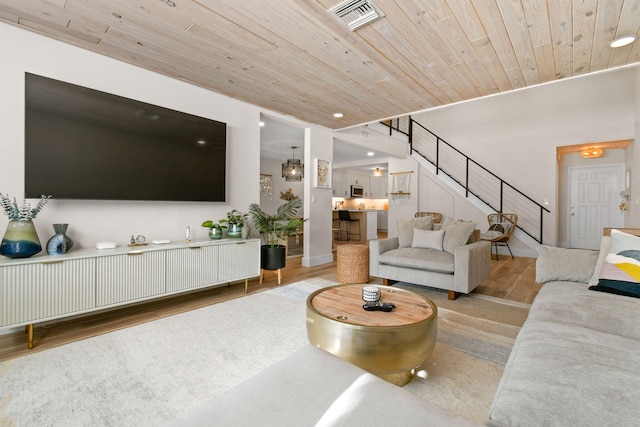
(20, 240)
(60, 243)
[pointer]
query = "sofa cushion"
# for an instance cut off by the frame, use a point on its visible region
(456, 233)
(419, 258)
(406, 226)
(566, 375)
(573, 265)
(605, 243)
(620, 273)
(573, 303)
(578, 344)
(427, 239)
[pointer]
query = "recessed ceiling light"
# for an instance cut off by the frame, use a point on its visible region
(371, 153)
(202, 141)
(261, 123)
(338, 115)
(623, 41)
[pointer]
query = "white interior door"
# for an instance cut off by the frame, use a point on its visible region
(595, 196)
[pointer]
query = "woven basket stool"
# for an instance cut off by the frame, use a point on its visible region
(353, 264)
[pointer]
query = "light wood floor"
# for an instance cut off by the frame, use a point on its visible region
(510, 279)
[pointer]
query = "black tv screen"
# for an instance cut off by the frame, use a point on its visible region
(81, 143)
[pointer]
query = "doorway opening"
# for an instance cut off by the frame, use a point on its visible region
(589, 193)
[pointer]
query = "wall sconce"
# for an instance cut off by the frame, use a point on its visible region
(377, 172)
(293, 170)
(591, 152)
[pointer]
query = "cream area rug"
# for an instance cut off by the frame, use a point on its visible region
(150, 373)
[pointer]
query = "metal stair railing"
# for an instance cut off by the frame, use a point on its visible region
(474, 178)
(399, 124)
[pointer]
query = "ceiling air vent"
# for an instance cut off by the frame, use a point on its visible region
(357, 13)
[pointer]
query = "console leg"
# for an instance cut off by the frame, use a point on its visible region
(279, 276)
(261, 275)
(246, 285)
(29, 330)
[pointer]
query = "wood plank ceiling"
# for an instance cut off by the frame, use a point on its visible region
(294, 57)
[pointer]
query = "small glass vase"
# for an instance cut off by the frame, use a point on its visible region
(215, 233)
(60, 243)
(20, 240)
(234, 231)
(246, 231)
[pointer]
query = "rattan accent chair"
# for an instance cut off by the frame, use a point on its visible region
(501, 228)
(436, 217)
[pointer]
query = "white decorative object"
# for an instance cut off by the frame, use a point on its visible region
(371, 294)
(266, 184)
(106, 245)
(322, 173)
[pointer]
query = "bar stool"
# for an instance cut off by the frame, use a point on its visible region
(346, 219)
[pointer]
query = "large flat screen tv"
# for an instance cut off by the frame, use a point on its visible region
(81, 143)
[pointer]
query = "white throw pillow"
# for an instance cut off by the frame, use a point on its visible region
(427, 239)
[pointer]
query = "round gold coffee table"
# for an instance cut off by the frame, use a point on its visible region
(390, 345)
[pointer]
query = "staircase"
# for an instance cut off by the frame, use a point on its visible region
(472, 178)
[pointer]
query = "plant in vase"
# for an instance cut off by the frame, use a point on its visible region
(277, 228)
(215, 229)
(234, 221)
(20, 240)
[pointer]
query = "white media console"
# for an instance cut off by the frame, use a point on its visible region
(42, 288)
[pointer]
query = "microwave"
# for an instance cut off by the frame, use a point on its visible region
(357, 191)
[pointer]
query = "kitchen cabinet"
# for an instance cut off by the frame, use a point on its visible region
(368, 220)
(379, 187)
(374, 187)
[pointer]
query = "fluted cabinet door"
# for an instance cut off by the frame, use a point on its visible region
(239, 260)
(191, 268)
(129, 277)
(38, 291)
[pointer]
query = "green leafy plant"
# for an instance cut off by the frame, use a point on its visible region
(23, 212)
(210, 224)
(281, 224)
(235, 217)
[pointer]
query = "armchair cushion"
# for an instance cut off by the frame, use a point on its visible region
(427, 239)
(456, 233)
(423, 259)
(406, 226)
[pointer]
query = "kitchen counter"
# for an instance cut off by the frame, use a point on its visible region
(368, 224)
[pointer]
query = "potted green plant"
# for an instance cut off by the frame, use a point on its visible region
(234, 221)
(215, 229)
(276, 227)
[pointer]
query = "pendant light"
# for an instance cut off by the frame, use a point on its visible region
(293, 170)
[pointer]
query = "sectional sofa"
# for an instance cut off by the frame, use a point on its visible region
(575, 362)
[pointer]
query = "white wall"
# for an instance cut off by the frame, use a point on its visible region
(274, 167)
(632, 216)
(93, 221)
(515, 135)
(318, 239)
(402, 206)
